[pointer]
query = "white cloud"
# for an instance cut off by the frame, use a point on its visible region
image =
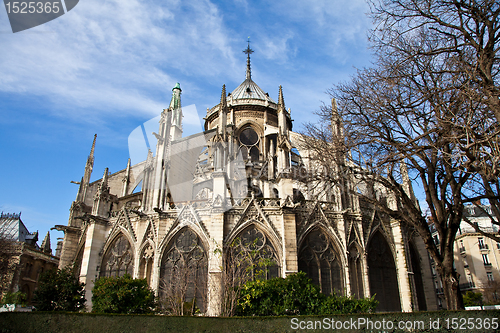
(114, 55)
(275, 47)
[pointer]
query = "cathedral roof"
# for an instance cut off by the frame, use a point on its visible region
(250, 90)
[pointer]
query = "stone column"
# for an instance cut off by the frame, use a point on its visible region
(96, 235)
(69, 246)
(219, 185)
(215, 264)
(289, 241)
(427, 278)
(366, 278)
(401, 267)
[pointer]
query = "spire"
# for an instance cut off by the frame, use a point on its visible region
(90, 162)
(223, 101)
(88, 172)
(248, 51)
(336, 122)
(176, 108)
(175, 102)
(46, 244)
(335, 111)
(101, 197)
(223, 112)
(93, 147)
(281, 100)
(282, 117)
(126, 179)
(104, 183)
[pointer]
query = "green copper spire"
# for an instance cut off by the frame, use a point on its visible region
(175, 102)
(175, 106)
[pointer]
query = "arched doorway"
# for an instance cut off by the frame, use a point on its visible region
(319, 258)
(382, 274)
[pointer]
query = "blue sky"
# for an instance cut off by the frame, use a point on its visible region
(108, 66)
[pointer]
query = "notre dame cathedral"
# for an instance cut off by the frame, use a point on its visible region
(241, 178)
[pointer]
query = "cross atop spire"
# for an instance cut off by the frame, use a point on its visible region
(248, 51)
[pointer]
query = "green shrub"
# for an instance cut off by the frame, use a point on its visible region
(473, 299)
(14, 298)
(295, 295)
(122, 295)
(336, 304)
(59, 290)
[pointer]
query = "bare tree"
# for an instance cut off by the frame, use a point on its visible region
(465, 33)
(463, 37)
(180, 292)
(9, 248)
(245, 260)
(429, 110)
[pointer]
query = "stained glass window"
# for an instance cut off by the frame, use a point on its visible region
(254, 253)
(183, 274)
(249, 140)
(118, 259)
(319, 259)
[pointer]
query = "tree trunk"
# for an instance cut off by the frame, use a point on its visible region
(451, 290)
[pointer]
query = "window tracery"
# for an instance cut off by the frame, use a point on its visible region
(118, 259)
(319, 259)
(146, 264)
(253, 251)
(249, 144)
(183, 272)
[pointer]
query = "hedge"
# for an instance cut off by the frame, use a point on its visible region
(88, 322)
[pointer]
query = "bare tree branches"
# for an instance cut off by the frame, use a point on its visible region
(9, 248)
(428, 109)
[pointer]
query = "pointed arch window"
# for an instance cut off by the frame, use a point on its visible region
(146, 264)
(118, 259)
(254, 256)
(320, 260)
(356, 272)
(183, 274)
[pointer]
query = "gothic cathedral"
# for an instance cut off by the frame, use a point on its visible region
(238, 191)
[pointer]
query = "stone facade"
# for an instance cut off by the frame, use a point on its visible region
(477, 258)
(239, 182)
(25, 259)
